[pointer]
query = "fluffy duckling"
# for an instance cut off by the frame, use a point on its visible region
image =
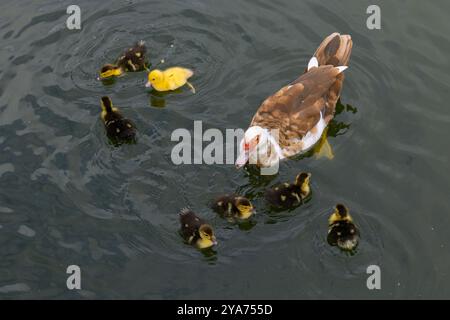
(341, 229)
(233, 207)
(169, 79)
(118, 129)
(288, 195)
(132, 60)
(196, 231)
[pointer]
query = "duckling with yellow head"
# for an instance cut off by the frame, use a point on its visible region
(342, 231)
(290, 195)
(169, 79)
(196, 231)
(233, 207)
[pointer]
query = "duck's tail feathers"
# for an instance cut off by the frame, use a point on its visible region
(334, 50)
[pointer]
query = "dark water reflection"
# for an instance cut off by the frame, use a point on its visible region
(69, 197)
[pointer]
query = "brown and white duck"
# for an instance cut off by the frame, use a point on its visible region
(292, 121)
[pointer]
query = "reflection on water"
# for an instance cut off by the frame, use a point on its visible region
(158, 98)
(247, 225)
(210, 255)
(109, 81)
(337, 128)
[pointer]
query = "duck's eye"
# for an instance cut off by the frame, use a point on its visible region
(246, 146)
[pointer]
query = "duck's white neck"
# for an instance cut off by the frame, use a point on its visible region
(268, 151)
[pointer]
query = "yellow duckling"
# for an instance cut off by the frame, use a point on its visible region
(289, 195)
(169, 79)
(233, 207)
(118, 129)
(195, 230)
(342, 232)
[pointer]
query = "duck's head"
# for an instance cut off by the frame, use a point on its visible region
(303, 180)
(154, 77)
(244, 207)
(106, 105)
(110, 70)
(207, 237)
(255, 147)
(340, 213)
(343, 234)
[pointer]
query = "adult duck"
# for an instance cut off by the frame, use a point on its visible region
(292, 120)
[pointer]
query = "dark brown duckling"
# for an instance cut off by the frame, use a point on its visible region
(118, 129)
(342, 232)
(134, 58)
(233, 207)
(195, 230)
(290, 195)
(131, 60)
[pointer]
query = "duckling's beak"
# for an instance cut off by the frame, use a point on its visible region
(214, 240)
(148, 84)
(308, 180)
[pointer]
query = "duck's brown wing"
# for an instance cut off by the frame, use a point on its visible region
(295, 109)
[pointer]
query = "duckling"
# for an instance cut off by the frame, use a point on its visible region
(233, 207)
(288, 195)
(341, 229)
(110, 70)
(169, 79)
(195, 230)
(118, 129)
(132, 60)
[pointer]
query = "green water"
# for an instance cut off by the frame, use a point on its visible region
(68, 197)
